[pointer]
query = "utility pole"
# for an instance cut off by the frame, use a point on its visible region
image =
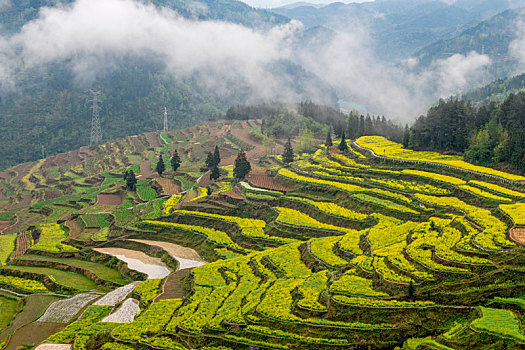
(96, 131)
(165, 119)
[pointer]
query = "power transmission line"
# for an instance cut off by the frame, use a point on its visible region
(96, 131)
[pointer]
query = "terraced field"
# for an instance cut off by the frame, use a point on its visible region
(356, 250)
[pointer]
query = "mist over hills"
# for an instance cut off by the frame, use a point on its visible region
(198, 58)
(401, 27)
(44, 89)
(492, 37)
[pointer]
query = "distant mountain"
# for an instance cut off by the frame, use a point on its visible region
(14, 15)
(491, 37)
(224, 10)
(401, 27)
(299, 4)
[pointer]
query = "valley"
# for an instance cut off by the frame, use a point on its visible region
(230, 175)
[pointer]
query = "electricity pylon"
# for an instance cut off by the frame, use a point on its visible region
(96, 131)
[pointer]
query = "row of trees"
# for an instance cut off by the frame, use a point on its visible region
(242, 167)
(174, 161)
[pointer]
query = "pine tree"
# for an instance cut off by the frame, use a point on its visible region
(329, 142)
(210, 161)
(131, 180)
(215, 173)
(411, 291)
(361, 130)
(160, 166)
(175, 161)
(217, 156)
(288, 155)
(343, 147)
(406, 136)
(242, 167)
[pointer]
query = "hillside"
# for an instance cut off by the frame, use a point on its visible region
(375, 246)
(497, 91)
(48, 107)
(401, 27)
(16, 14)
(491, 37)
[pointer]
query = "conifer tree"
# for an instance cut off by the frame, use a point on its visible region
(175, 161)
(411, 291)
(343, 147)
(160, 166)
(242, 166)
(131, 180)
(216, 156)
(288, 155)
(329, 142)
(406, 136)
(210, 161)
(215, 173)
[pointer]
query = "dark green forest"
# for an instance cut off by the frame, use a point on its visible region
(52, 112)
(284, 120)
(492, 135)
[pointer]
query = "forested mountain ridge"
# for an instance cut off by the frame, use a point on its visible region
(17, 13)
(491, 37)
(496, 91)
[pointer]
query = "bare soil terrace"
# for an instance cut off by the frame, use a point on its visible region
(518, 235)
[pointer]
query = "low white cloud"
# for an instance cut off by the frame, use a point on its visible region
(90, 35)
(517, 46)
(4, 4)
(399, 91)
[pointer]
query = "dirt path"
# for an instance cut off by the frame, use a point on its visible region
(145, 168)
(4, 225)
(138, 261)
